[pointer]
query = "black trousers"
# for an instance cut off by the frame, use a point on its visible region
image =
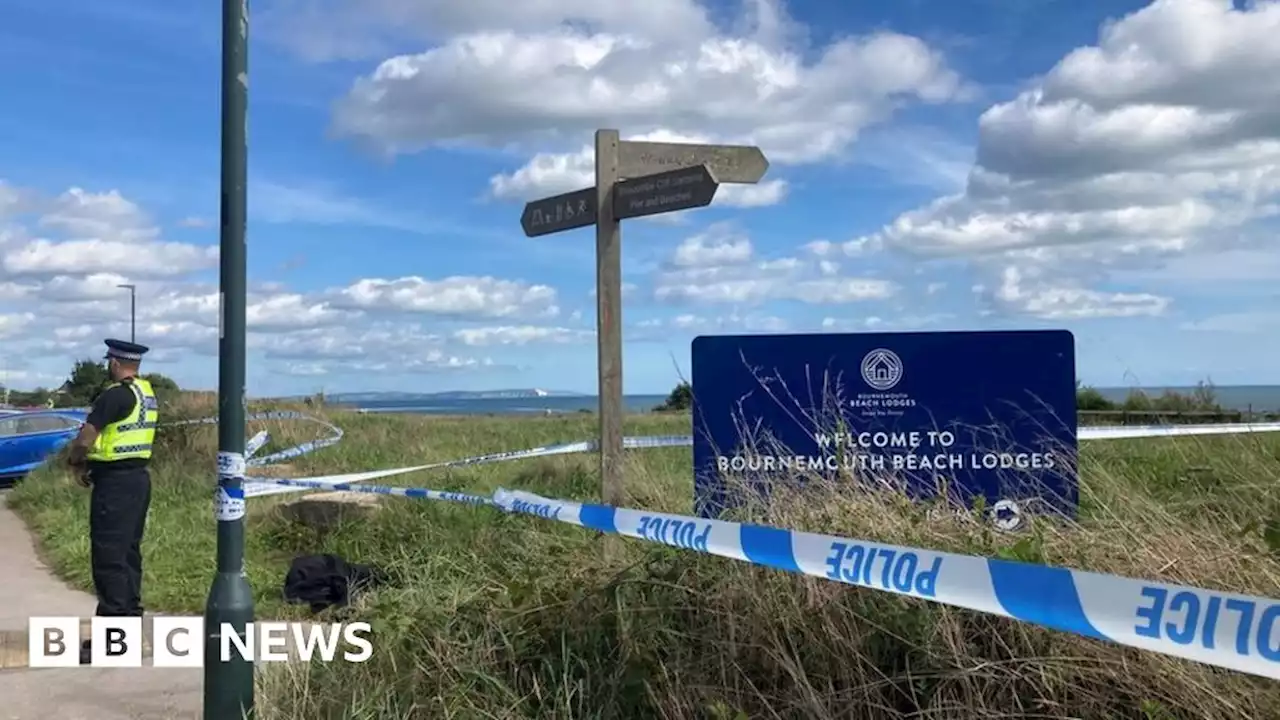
(117, 520)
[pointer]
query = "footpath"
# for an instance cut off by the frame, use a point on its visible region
(27, 588)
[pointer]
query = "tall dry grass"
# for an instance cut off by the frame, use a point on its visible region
(498, 616)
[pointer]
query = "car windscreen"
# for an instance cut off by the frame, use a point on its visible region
(31, 424)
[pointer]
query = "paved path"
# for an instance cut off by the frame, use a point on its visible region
(28, 588)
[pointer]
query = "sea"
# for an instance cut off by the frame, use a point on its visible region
(1258, 398)
(511, 406)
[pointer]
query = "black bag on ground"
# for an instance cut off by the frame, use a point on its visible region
(325, 581)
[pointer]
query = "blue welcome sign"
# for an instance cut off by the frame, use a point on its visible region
(990, 414)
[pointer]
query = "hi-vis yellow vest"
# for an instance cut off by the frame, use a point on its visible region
(130, 438)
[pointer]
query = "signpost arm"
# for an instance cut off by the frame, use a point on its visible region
(609, 317)
(228, 687)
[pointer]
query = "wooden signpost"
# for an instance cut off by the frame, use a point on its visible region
(559, 213)
(633, 179)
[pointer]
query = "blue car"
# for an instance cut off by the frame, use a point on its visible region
(28, 439)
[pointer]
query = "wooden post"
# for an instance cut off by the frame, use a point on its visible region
(609, 317)
(640, 171)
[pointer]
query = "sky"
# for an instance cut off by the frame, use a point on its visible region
(1104, 166)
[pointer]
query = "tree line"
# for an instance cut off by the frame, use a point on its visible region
(87, 379)
(1088, 399)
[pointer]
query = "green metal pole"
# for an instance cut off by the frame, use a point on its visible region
(228, 687)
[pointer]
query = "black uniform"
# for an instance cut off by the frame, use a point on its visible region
(118, 507)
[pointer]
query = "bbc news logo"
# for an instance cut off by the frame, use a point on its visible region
(179, 642)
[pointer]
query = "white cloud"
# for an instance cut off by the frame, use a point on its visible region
(663, 329)
(104, 216)
(83, 257)
(433, 361)
(761, 194)
(1160, 142)
(99, 235)
(71, 286)
(858, 247)
(551, 72)
(1062, 300)
(18, 378)
(304, 369)
(720, 266)
(713, 250)
(386, 340)
(292, 311)
(11, 324)
(520, 335)
(95, 286)
(322, 30)
(59, 296)
(454, 296)
(429, 362)
(549, 174)
(12, 200)
(879, 324)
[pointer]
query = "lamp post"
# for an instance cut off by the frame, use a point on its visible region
(133, 311)
(228, 686)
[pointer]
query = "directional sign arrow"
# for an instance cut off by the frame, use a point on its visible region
(665, 192)
(559, 213)
(744, 164)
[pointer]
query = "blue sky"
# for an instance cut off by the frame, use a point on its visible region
(1108, 167)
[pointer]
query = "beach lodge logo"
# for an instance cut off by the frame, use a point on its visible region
(882, 369)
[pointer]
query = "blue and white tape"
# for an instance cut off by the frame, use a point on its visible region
(1238, 632)
(1233, 631)
(415, 493)
(228, 497)
(267, 486)
(262, 486)
(258, 441)
(259, 487)
(1229, 630)
(230, 465)
(229, 501)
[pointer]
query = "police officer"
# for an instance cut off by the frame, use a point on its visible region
(111, 455)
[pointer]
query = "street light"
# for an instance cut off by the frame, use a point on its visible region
(133, 311)
(228, 686)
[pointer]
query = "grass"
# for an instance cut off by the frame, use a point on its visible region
(496, 616)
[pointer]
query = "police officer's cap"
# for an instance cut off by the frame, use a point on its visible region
(126, 350)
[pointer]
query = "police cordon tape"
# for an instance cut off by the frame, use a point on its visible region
(261, 486)
(258, 487)
(1239, 632)
(416, 493)
(1228, 630)
(254, 444)
(267, 487)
